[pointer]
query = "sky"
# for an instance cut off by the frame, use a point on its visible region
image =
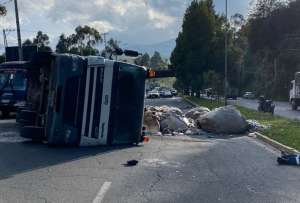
(128, 21)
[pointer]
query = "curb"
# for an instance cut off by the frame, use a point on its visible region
(189, 101)
(273, 143)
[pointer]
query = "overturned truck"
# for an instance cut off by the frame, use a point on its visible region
(83, 101)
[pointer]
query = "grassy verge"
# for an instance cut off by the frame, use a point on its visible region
(283, 130)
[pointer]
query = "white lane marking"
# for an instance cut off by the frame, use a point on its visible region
(103, 190)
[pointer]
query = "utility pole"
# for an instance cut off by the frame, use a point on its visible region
(226, 54)
(18, 31)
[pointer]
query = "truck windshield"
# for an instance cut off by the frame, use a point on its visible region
(12, 80)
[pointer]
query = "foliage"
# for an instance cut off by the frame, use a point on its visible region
(200, 47)
(143, 60)
(157, 63)
(83, 42)
(213, 80)
(2, 58)
(273, 35)
(111, 47)
(3, 10)
(41, 41)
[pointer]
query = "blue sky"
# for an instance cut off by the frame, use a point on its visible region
(129, 21)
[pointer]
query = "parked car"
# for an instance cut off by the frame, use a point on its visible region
(174, 92)
(249, 95)
(166, 94)
(153, 94)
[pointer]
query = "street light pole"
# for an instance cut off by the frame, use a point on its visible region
(18, 31)
(226, 54)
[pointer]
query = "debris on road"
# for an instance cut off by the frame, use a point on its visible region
(224, 120)
(289, 159)
(131, 163)
(151, 121)
(256, 126)
(195, 113)
(198, 121)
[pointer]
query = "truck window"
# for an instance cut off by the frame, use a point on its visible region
(13, 81)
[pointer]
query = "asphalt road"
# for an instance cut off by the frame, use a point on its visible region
(283, 109)
(176, 169)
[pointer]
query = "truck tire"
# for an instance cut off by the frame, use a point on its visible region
(32, 132)
(294, 105)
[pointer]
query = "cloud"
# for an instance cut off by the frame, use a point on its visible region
(160, 20)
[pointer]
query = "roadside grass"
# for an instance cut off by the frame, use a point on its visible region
(285, 131)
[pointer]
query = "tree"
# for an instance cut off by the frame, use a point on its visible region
(144, 60)
(41, 41)
(2, 58)
(195, 45)
(156, 62)
(83, 42)
(3, 10)
(111, 47)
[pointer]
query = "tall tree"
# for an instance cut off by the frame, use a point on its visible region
(193, 45)
(156, 62)
(2, 58)
(3, 10)
(144, 60)
(41, 41)
(82, 42)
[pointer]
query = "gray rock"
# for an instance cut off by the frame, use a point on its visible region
(226, 120)
(170, 122)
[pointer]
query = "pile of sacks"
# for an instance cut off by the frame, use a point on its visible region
(171, 120)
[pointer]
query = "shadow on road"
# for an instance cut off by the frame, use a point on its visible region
(21, 157)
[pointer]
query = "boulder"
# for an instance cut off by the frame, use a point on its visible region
(224, 120)
(151, 122)
(195, 113)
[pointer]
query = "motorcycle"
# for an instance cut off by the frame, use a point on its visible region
(266, 106)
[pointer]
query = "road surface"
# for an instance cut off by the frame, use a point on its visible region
(177, 169)
(283, 109)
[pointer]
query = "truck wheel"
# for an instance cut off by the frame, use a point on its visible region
(5, 114)
(32, 132)
(294, 105)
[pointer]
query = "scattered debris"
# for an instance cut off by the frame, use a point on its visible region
(131, 163)
(198, 121)
(224, 120)
(289, 159)
(197, 112)
(256, 126)
(151, 121)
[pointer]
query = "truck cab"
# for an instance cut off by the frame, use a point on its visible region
(84, 101)
(294, 97)
(13, 86)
